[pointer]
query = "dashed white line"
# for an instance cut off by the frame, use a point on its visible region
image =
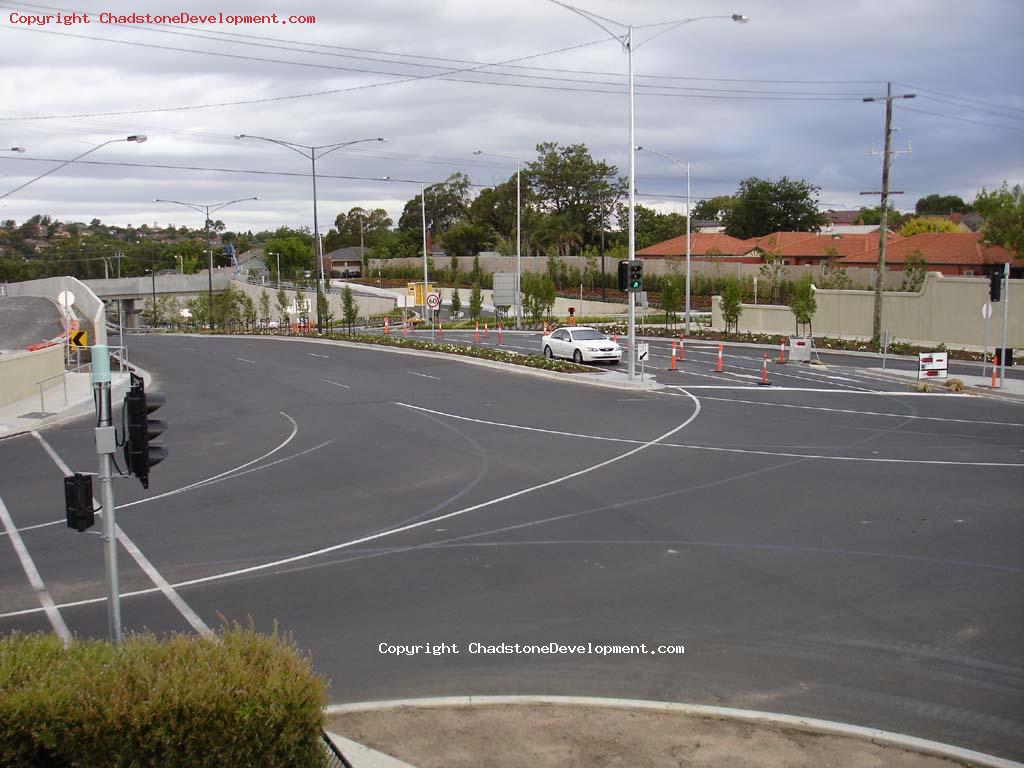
(336, 383)
(242, 359)
(314, 354)
(34, 578)
(425, 375)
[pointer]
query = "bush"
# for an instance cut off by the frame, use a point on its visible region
(249, 699)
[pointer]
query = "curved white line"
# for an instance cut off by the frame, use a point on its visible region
(390, 531)
(198, 483)
(716, 448)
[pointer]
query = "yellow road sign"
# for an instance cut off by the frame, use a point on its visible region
(415, 292)
(79, 339)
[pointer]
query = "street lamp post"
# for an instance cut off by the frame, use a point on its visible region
(519, 208)
(313, 153)
(206, 210)
(685, 165)
(625, 39)
(138, 138)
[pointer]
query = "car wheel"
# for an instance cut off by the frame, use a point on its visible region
(577, 357)
(548, 354)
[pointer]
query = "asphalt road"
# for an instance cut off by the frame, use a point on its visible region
(26, 320)
(842, 550)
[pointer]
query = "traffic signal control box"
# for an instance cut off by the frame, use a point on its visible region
(78, 502)
(140, 452)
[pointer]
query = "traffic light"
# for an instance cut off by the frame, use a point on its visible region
(995, 286)
(623, 275)
(636, 275)
(78, 502)
(139, 452)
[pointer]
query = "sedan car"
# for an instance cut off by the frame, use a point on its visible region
(581, 344)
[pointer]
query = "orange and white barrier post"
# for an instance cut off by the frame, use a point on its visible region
(994, 384)
(476, 334)
(672, 363)
(721, 347)
(405, 327)
(682, 349)
(487, 331)
(387, 327)
(764, 371)
(499, 334)
(782, 350)
(440, 333)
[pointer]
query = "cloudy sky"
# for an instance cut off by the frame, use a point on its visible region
(780, 95)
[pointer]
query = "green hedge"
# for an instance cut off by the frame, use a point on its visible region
(249, 700)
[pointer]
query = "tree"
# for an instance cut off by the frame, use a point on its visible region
(763, 206)
(349, 308)
(265, 305)
(454, 270)
(323, 309)
(927, 224)
(569, 183)
(447, 203)
(914, 270)
(495, 208)
(476, 302)
(731, 307)
(538, 295)
(893, 217)
(774, 270)
(941, 205)
(653, 227)
(358, 227)
(456, 307)
(296, 249)
(467, 239)
(714, 208)
(803, 304)
(833, 274)
(249, 310)
(670, 298)
(1003, 211)
(282, 306)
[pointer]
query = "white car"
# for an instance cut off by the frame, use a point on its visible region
(581, 344)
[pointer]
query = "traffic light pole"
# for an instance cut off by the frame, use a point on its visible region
(1006, 314)
(106, 444)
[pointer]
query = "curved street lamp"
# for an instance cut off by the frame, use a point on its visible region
(625, 38)
(206, 210)
(137, 138)
(313, 153)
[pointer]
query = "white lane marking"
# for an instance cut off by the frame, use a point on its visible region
(716, 448)
(314, 354)
(336, 383)
(253, 362)
(154, 575)
(48, 606)
(826, 391)
(425, 375)
(866, 413)
(392, 531)
(197, 484)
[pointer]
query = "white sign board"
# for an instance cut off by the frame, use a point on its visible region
(642, 351)
(932, 365)
(986, 310)
(504, 289)
(433, 301)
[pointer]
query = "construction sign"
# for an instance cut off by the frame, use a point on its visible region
(79, 339)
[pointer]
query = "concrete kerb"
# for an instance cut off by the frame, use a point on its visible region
(807, 724)
(591, 379)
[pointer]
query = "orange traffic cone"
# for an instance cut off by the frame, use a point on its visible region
(782, 350)
(387, 327)
(487, 332)
(672, 362)
(476, 334)
(718, 368)
(994, 384)
(764, 371)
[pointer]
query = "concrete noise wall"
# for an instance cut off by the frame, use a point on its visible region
(946, 310)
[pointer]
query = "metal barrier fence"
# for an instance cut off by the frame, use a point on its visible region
(334, 757)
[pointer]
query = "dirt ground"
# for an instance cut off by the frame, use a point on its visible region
(555, 736)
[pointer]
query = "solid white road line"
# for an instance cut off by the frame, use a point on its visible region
(197, 484)
(425, 375)
(336, 383)
(827, 391)
(401, 529)
(865, 413)
(242, 359)
(154, 575)
(875, 459)
(48, 606)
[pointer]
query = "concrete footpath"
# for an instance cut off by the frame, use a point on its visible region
(549, 732)
(65, 398)
(1010, 389)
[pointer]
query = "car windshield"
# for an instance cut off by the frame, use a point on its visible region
(588, 335)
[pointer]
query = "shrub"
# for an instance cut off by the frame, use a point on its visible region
(247, 699)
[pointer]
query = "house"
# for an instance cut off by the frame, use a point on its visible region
(345, 262)
(704, 246)
(951, 253)
(252, 262)
(799, 248)
(841, 217)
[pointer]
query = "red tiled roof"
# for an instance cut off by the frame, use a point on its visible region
(700, 244)
(842, 217)
(937, 248)
(843, 245)
(777, 240)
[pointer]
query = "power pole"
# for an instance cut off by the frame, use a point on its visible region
(887, 154)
